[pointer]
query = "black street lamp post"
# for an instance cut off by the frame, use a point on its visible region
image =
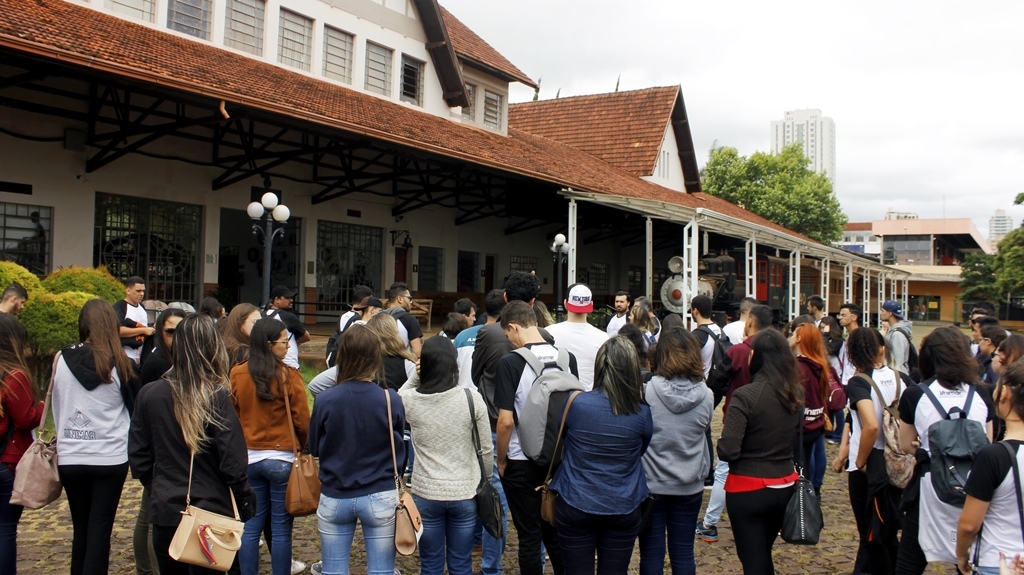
(264, 213)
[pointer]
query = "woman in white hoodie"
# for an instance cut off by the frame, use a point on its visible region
(94, 386)
(677, 460)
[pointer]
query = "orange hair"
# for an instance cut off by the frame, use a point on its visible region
(812, 346)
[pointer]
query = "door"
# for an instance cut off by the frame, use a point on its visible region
(401, 264)
(488, 273)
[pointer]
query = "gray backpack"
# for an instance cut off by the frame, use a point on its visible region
(953, 444)
(542, 413)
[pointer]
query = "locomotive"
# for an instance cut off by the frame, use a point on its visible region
(721, 279)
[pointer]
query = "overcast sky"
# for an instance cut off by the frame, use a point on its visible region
(927, 97)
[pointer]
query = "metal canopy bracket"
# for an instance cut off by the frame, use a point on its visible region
(573, 235)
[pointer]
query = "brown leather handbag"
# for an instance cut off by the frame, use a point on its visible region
(303, 494)
(408, 523)
(549, 498)
(36, 481)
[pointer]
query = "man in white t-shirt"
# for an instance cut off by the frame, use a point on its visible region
(734, 330)
(134, 328)
(622, 303)
(700, 311)
(577, 336)
(360, 294)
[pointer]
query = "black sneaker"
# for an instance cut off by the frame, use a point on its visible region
(708, 534)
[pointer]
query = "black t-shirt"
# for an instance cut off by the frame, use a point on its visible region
(509, 376)
(990, 468)
(412, 325)
(290, 320)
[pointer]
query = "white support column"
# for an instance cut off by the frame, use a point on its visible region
(892, 289)
(825, 265)
(882, 294)
(649, 285)
(865, 303)
(691, 249)
(750, 268)
(794, 283)
(848, 282)
(572, 242)
(903, 296)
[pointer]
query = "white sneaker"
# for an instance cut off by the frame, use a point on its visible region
(397, 572)
(317, 568)
(297, 566)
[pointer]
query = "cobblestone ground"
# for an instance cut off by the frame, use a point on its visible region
(44, 541)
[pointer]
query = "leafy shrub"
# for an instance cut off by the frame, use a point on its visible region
(11, 272)
(52, 321)
(95, 281)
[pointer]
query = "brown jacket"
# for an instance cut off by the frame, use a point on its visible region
(265, 423)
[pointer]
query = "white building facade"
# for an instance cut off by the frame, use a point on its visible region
(999, 225)
(817, 133)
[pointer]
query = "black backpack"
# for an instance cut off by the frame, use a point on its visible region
(721, 364)
(912, 359)
(332, 342)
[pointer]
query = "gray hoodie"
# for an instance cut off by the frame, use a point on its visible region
(900, 344)
(677, 460)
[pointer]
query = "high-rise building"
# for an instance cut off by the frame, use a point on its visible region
(817, 134)
(999, 225)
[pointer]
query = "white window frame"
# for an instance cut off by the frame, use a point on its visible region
(290, 55)
(339, 49)
(412, 91)
(494, 110)
(143, 10)
(185, 10)
(379, 61)
(469, 112)
(245, 25)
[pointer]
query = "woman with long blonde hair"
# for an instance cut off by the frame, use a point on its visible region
(189, 413)
(399, 363)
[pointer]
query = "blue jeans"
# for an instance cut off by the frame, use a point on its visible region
(9, 517)
(987, 570)
(581, 535)
(818, 463)
(337, 524)
(493, 549)
(838, 420)
(675, 514)
(448, 529)
(717, 502)
(269, 480)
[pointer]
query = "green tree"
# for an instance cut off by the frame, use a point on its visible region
(1019, 200)
(977, 278)
(778, 187)
(1009, 264)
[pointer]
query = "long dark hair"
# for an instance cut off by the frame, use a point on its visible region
(774, 363)
(98, 324)
(264, 367)
(360, 355)
(198, 371)
(617, 374)
(165, 350)
(834, 337)
(236, 341)
(439, 366)
(946, 355)
(13, 339)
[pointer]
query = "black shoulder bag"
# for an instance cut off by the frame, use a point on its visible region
(488, 502)
(802, 521)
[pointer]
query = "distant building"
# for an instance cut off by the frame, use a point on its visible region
(999, 225)
(817, 134)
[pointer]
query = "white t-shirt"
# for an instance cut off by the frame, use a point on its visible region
(582, 340)
(137, 313)
(885, 379)
(615, 324)
(734, 331)
(707, 353)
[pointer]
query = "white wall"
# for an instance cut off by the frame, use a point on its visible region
(669, 154)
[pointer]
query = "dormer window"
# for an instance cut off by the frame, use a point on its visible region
(412, 80)
(469, 112)
(378, 69)
(493, 109)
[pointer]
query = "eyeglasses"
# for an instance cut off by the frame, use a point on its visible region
(280, 341)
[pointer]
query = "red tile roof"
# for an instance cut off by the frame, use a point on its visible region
(476, 52)
(625, 129)
(83, 37)
(857, 227)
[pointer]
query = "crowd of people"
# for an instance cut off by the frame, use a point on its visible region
(209, 408)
